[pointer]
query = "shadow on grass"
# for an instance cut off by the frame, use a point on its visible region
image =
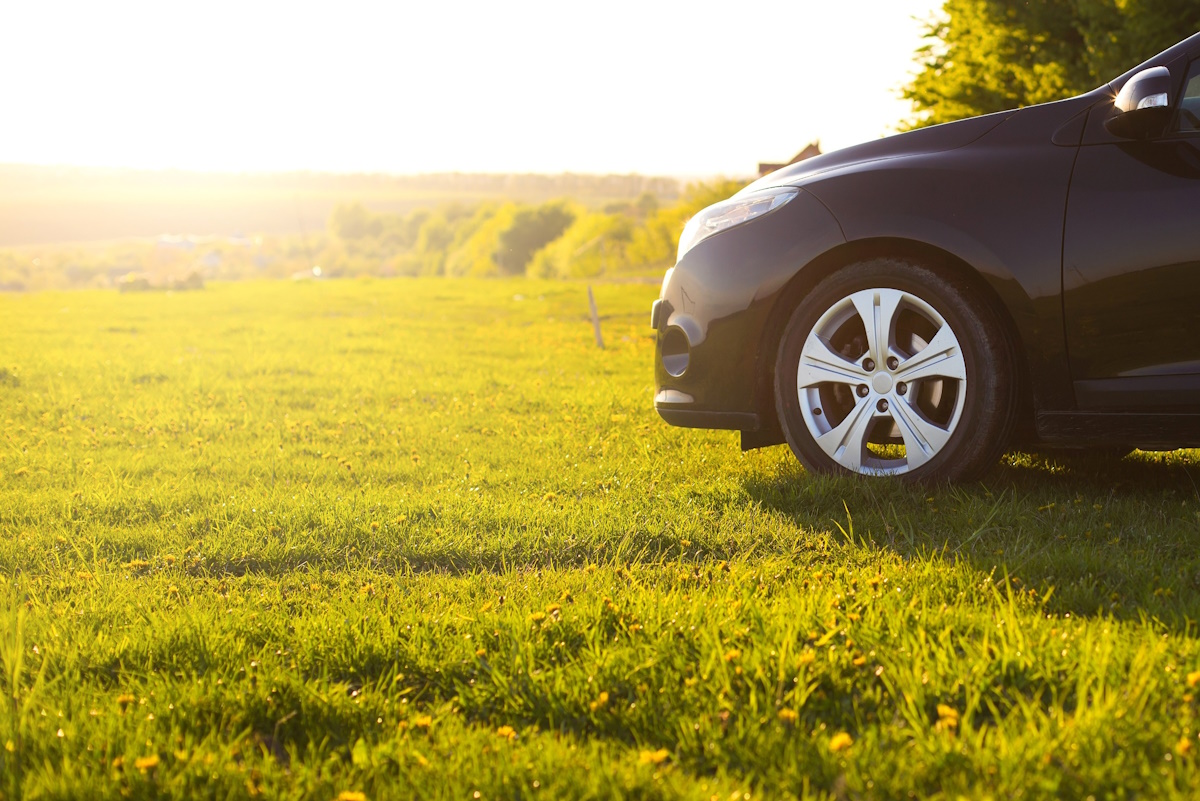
(1101, 536)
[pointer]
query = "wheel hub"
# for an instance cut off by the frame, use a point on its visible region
(888, 373)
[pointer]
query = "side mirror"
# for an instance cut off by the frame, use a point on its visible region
(1143, 106)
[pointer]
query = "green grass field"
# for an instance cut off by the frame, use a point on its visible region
(421, 538)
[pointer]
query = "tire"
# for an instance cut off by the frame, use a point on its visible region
(934, 400)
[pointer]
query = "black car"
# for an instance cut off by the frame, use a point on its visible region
(915, 305)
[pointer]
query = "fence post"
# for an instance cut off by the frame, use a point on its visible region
(595, 318)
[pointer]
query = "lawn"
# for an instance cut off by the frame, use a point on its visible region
(422, 538)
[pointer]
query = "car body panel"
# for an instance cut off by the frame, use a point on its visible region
(720, 294)
(993, 196)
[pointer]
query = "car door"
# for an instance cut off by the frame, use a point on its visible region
(1131, 265)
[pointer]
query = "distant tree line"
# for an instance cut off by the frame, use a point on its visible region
(555, 239)
(982, 56)
(551, 239)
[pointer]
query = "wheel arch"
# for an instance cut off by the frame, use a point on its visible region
(993, 290)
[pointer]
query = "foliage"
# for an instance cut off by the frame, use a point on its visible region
(990, 55)
(594, 244)
(491, 238)
(424, 539)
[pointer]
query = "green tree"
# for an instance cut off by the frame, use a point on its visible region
(505, 239)
(592, 245)
(354, 222)
(531, 229)
(982, 56)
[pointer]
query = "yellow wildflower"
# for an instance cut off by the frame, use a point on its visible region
(653, 757)
(1184, 746)
(600, 702)
(1193, 678)
(146, 763)
(423, 721)
(351, 795)
(840, 741)
(788, 716)
(732, 654)
(507, 732)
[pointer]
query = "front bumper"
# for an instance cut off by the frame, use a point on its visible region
(713, 361)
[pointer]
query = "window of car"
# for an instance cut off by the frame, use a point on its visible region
(1187, 120)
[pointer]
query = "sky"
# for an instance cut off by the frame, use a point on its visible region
(656, 87)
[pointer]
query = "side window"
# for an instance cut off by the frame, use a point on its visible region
(1187, 119)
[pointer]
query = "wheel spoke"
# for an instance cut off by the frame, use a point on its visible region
(846, 442)
(877, 308)
(922, 439)
(819, 365)
(941, 357)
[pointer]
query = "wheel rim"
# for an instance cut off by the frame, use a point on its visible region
(881, 382)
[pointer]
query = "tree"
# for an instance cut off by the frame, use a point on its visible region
(982, 56)
(592, 245)
(354, 222)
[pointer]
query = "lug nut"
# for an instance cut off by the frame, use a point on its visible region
(882, 405)
(901, 388)
(868, 365)
(863, 391)
(893, 362)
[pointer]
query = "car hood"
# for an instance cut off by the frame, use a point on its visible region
(938, 138)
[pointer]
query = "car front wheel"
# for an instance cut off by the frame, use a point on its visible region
(889, 368)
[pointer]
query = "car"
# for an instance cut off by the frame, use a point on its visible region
(915, 306)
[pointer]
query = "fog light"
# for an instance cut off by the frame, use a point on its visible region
(676, 351)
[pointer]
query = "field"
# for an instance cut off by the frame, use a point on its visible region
(421, 538)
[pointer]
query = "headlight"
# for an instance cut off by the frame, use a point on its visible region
(728, 213)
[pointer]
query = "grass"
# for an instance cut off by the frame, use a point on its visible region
(422, 538)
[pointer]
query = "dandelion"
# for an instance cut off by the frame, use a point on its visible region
(481, 652)
(1184, 746)
(806, 657)
(788, 716)
(653, 757)
(859, 661)
(423, 721)
(840, 741)
(146, 763)
(732, 654)
(374, 526)
(507, 732)
(1193, 678)
(124, 700)
(537, 617)
(351, 795)
(947, 718)
(600, 702)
